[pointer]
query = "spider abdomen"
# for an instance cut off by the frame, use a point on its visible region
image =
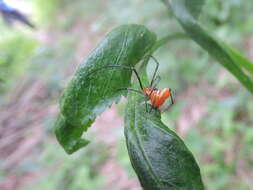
(157, 97)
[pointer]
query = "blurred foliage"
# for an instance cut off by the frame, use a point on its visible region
(68, 172)
(15, 54)
(231, 22)
(46, 10)
(221, 141)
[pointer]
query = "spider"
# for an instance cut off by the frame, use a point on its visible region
(156, 97)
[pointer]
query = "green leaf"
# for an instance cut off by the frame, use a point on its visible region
(158, 156)
(69, 138)
(184, 12)
(93, 89)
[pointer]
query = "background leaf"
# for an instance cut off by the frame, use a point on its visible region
(184, 12)
(158, 156)
(194, 7)
(238, 58)
(89, 93)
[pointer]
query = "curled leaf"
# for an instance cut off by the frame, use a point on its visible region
(93, 89)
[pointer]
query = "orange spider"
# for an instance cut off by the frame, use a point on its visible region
(157, 97)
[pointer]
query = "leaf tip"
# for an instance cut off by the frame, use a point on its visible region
(69, 139)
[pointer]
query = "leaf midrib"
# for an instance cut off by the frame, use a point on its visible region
(139, 142)
(117, 61)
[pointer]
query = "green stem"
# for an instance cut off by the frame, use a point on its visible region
(160, 43)
(167, 38)
(187, 19)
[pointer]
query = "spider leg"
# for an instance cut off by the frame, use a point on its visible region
(156, 81)
(138, 91)
(152, 107)
(146, 105)
(131, 89)
(171, 99)
(156, 69)
(170, 105)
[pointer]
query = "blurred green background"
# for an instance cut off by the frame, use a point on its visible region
(213, 112)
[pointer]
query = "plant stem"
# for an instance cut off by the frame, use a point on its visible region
(167, 38)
